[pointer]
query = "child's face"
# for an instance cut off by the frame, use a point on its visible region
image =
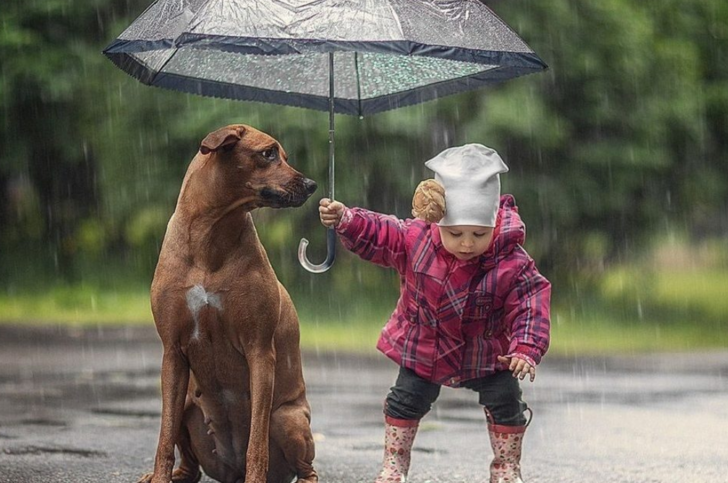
(466, 241)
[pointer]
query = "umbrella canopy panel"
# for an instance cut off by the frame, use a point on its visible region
(388, 53)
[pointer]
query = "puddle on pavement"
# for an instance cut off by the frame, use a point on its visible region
(46, 450)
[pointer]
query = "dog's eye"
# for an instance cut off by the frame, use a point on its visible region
(270, 154)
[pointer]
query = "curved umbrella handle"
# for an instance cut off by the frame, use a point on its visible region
(330, 253)
(330, 233)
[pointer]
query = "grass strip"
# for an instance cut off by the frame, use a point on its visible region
(356, 330)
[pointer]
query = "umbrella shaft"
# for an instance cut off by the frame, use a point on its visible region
(331, 126)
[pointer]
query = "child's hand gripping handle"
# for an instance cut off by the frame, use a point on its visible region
(330, 212)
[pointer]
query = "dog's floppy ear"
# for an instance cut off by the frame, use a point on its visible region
(221, 138)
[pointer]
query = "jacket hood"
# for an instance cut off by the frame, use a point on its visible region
(510, 230)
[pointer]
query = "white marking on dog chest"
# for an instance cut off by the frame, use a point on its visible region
(197, 298)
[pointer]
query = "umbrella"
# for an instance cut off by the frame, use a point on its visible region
(354, 57)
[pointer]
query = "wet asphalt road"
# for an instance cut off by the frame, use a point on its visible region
(84, 406)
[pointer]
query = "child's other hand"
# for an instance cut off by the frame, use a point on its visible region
(330, 212)
(519, 367)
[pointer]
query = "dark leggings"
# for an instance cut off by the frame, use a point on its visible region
(412, 397)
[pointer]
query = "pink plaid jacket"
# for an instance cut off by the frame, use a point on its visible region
(454, 318)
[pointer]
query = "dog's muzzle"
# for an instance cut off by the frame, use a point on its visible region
(292, 195)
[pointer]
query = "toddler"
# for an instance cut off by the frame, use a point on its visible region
(473, 310)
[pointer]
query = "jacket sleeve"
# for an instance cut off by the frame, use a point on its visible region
(374, 237)
(528, 311)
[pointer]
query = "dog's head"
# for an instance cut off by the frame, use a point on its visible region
(253, 168)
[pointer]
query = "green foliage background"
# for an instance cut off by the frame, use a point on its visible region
(620, 143)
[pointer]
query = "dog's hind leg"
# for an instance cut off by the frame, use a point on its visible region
(290, 429)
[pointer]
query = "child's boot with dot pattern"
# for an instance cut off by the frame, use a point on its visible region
(399, 434)
(506, 442)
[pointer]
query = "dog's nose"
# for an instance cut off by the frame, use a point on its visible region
(310, 185)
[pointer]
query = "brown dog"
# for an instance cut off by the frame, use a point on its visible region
(233, 395)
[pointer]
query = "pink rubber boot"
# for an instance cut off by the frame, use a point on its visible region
(506, 442)
(399, 434)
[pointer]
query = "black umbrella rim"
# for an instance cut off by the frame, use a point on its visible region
(119, 53)
(274, 46)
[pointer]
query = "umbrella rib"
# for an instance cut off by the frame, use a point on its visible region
(358, 81)
(154, 77)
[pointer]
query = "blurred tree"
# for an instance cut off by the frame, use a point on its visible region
(622, 137)
(47, 49)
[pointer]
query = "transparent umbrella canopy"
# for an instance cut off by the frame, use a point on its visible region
(357, 57)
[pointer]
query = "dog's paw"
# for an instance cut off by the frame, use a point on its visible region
(180, 476)
(146, 478)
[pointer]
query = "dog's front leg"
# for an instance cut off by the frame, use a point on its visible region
(261, 363)
(175, 378)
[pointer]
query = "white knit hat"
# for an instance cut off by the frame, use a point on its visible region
(470, 175)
